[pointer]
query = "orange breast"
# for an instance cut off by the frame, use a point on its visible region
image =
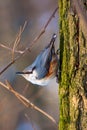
(53, 67)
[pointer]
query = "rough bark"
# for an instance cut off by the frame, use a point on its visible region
(73, 66)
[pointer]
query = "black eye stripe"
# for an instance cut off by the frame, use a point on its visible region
(30, 71)
(34, 68)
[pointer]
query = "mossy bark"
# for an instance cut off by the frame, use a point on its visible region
(73, 66)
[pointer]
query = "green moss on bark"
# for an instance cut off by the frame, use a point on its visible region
(64, 58)
(73, 64)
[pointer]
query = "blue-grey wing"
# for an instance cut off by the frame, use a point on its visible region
(42, 62)
(41, 72)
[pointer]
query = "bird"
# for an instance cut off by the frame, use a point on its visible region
(45, 66)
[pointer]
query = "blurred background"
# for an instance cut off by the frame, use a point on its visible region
(13, 114)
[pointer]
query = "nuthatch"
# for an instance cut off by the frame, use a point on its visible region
(45, 66)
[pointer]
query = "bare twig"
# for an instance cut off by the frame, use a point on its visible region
(32, 43)
(25, 101)
(44, 28)
(18, 38)
(10, 49)
(16, 42)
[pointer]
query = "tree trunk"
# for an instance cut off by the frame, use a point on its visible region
(73, 66)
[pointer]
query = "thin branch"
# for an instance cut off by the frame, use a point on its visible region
(44, 28)
(16, 42)
(25, 101)
(10, 49)
(18, 38)
(32, 43)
